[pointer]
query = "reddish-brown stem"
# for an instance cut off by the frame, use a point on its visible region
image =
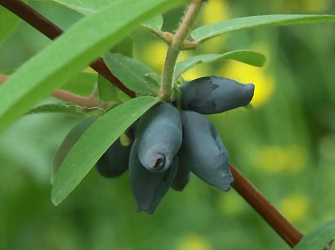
(3, 78)
(264, 208)
(242, 185)
(52, 31)
(329, 245)
(32, 17)
(89, 101)
(84, 101)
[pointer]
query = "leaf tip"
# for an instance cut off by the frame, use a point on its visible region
(55, 198)
(54, 201)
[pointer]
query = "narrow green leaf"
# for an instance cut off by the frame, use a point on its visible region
(211, 30)
(245, 56)
(55, 108)
(124, 47)
(85, 7)
(8, 22)
(62, 108)
(123, 96)
(154, 78)
(155, 24)
(94, 143)
(131, 73)
(71, 52)
(49, 2)
(81, 83)
(107, 91)
(318, 238)
(70, 139)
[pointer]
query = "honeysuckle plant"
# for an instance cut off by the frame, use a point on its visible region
(126, 88)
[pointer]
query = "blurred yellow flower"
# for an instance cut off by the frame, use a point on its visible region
(314, 5)
(294, 207)
(154, 55)
(193, 242)
(241, 72)
(184, 54)
(215, 11)
(279, 159)
(302, 6)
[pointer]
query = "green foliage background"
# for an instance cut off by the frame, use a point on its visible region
(285, 147)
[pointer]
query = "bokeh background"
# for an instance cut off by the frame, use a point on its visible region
(285, 145)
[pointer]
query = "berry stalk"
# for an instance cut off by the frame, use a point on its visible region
(167, 86)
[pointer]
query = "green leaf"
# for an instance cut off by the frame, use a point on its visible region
(85, 7)
(55, 108)
(81, 83)
(245, 56)
(94, 143)
(107, 91)
(318, 238)
(72, 52)
(155, 24)
(62, 108)
(124, 47)
(131, 73)
(211, 30)
(154, 79)
(8, 22)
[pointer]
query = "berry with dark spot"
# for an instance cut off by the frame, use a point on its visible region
(203, 152)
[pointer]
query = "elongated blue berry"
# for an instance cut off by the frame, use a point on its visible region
(182, 177)
(203, 152)
(114, 162)
(159, 135)
(148, 187)
(210, 95)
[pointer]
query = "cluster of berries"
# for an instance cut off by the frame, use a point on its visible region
(166, 144)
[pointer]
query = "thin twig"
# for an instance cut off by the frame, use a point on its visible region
(84, 101)
(264, 208)
(52, 31)
(3, 78)
(329, 245)
(89, 101)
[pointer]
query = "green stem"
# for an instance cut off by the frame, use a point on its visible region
(166, 91)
